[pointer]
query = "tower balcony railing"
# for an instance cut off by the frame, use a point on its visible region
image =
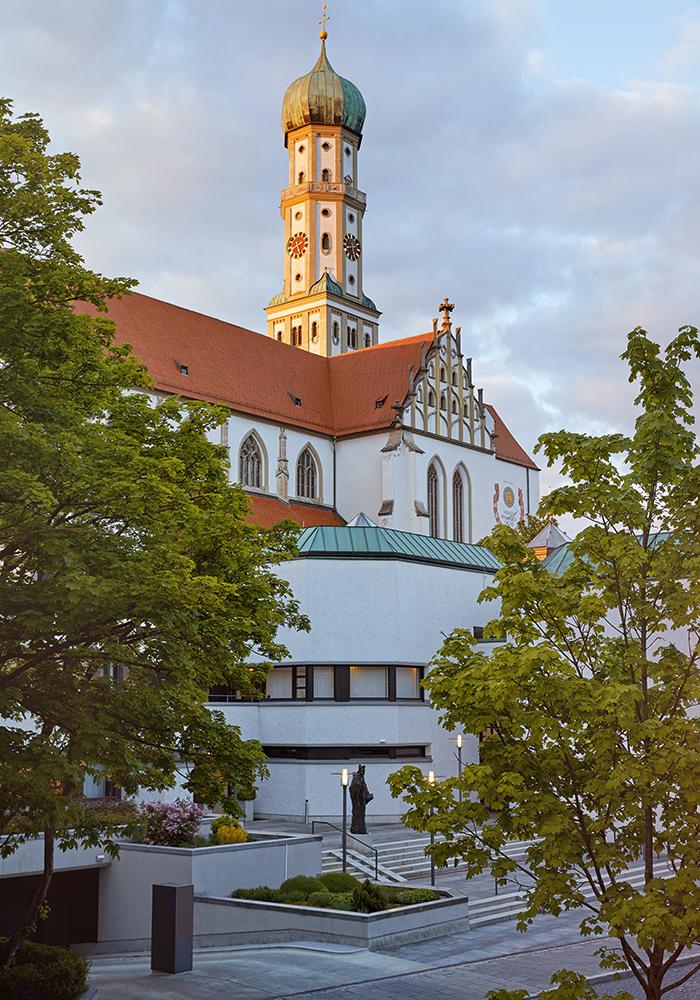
(326, 187)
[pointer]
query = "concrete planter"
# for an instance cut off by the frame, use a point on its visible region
(219, 922)
(125, 885)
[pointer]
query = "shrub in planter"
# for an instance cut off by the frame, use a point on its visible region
(368, 898)
(319, 898)
(300, 887)
(40, 971)
(340, 901)
(227, 830)
(170, 824)
(263, 893)
(408, 897)
(246, 794)
(339, 881)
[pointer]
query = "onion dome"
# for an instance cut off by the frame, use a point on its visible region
(326, 284)
(323, 97)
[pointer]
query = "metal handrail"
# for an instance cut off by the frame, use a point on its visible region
(352, 836)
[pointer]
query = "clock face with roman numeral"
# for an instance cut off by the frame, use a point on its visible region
(351, 245)
(297, 244)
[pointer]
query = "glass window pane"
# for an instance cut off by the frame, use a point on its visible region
(323, 682)
(279, 683)
(407, 682)
(368, 682)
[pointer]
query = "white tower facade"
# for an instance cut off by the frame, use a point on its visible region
(322, 306)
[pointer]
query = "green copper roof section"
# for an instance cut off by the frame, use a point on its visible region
(324, 98)
(558, 561)
(326, 284)
(387, 543)
(368, 303)
(277, 300)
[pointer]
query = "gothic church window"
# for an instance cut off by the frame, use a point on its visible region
(307, 475)
(251, 463)
(433, 502)
(458, 507)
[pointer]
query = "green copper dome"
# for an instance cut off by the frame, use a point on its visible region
(324, 98)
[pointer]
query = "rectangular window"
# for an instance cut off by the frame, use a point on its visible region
(368, 682)
(323, 682)
(407, 682)
(279, 683)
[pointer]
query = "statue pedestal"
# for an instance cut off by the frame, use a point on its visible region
(363, 843)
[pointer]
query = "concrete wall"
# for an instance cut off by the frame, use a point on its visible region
(362, 611)
(222, 922)
(28, 859)
(126, 885)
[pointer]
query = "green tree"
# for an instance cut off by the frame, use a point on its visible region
(590, 746)
(130, 580)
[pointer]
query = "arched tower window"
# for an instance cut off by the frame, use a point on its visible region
(326, 243)
(433, 501)
(325, 174)
(314, 330)
(307, 475)
(302, 176)
(368, 340)
(458, 507)
(251, 463)
(336, 331)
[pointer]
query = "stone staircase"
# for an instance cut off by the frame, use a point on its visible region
(402, 860)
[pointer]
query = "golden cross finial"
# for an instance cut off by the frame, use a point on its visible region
(446, 308)
(324, 20)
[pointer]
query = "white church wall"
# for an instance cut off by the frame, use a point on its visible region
(359, 475)
(240, 426)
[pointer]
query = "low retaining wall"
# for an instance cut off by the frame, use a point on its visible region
(125, 886)
(221, 922)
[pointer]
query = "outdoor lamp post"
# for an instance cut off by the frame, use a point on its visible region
(344, 783)
(459, 764)
(431, 781)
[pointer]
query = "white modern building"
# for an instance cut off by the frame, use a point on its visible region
(327, 423)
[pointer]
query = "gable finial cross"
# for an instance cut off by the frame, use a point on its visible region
(324, 20)
(446, 308)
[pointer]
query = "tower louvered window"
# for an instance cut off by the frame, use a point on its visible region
(251, 466)
(307, 476)
(433, 501)
(458, 507)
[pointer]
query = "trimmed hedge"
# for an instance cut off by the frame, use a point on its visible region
(300, 887)
(263, 893)
(339, 881)
(40, 971)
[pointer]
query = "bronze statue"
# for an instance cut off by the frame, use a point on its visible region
(360, 795)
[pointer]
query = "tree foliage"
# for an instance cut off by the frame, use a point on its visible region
(130, 580)
(591, 741)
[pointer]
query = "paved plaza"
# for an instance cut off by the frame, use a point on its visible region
(461, 966)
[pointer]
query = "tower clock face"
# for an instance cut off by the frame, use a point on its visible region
(297, 244)
(351, 245)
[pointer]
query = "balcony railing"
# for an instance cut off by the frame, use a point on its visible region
(326, 187)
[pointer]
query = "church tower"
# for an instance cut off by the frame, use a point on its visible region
(322, 306)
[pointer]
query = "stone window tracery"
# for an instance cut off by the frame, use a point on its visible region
(433, 501)
(307, 475)
(251, 463)
(458, 507)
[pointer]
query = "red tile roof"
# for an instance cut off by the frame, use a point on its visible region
(257, 375)
(266, 511)
(507, 448)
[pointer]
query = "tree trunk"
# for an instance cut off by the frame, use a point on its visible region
(29, 923)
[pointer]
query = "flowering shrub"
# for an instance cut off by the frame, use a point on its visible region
(227, 830)
(170, 824)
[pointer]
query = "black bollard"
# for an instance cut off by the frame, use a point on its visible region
(172, 919)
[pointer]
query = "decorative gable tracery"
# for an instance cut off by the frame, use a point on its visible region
(442, 399)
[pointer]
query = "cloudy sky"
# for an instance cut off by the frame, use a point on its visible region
(536, 160)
